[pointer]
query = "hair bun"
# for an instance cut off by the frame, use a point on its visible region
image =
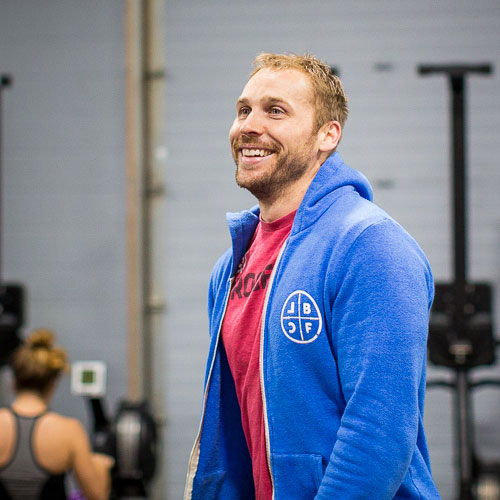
(41, 338)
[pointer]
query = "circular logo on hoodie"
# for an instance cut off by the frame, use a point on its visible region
(300, 318)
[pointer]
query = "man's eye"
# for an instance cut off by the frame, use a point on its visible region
(243, 112)
(276, 111)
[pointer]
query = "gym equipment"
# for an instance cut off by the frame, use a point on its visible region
(460, 328)
(11, 294)
(130, 436)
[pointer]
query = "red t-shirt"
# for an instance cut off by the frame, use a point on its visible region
(241, 333)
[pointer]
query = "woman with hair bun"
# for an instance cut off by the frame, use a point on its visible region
(37, 446)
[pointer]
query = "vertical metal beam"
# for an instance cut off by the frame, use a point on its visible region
(458, 147)
(154, 194)
(135, 182)
(459, 173)
(464, 435)
(145, 166)
(146, 155)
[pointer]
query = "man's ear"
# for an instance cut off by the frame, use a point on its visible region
(329, 134)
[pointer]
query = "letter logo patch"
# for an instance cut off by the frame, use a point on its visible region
(300, 318)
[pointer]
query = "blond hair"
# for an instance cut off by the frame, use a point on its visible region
(330, 99)
(38, 363)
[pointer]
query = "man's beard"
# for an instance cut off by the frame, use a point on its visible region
(271, 184)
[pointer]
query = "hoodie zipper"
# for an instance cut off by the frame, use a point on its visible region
(195, 452)
(194, 457)
(261, 363)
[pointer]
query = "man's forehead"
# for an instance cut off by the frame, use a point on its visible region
(278, 85)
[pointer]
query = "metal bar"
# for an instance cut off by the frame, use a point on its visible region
(485, 383)
(440, 383)
(146, 192)
(100, 417)
(464, 434)
(145, 209)
(457, 88)
(153, 80)
(454, 69)
(133, 164)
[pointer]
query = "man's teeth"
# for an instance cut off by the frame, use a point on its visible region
(254, 152)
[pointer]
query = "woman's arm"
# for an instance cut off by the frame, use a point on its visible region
(92, 470)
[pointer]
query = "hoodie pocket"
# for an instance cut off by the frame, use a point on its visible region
(296, 476)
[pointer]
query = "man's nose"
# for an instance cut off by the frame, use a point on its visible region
(253, 124)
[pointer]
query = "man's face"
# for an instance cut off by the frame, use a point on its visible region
(272, 137)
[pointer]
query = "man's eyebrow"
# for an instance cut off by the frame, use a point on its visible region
(241, 101)
(275, 100)
(267, 99)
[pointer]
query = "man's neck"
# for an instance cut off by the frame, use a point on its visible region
(279, 208)
(287, 201)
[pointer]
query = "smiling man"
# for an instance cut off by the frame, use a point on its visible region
(277, 142)
(318, 315)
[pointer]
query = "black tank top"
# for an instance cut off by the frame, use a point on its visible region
(23, 478)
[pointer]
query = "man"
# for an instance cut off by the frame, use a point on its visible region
(318, 315)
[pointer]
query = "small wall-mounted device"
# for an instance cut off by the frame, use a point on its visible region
(88, 378)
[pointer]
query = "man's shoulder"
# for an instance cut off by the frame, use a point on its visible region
(361, 224)
(352, 214)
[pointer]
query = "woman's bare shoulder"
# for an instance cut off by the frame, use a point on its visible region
(6, 418)
(63, 425)
(59, 417)
(5, 412)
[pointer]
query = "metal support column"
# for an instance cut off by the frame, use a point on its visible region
(146, 155)
(154, 154)
(145, 163)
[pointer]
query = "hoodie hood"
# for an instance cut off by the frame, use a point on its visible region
(333, 179)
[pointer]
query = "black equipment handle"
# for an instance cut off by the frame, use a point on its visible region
(101, 420)
(454, 69)
(102, 427)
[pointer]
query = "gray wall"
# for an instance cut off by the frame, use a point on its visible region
(64, 179)
(397, 134)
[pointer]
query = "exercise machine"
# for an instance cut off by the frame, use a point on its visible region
(461, 325)
(130, 436)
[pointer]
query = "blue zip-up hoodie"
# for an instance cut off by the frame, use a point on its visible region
(343, 356)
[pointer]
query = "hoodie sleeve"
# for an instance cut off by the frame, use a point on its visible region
(380, 324)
